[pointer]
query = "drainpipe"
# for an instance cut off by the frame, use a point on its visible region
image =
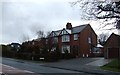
(79, 45)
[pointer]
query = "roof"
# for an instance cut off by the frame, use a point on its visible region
(78, 29)
(74, 30)
(117, 36)
(15, 44)
(57, 32)
(98, 45)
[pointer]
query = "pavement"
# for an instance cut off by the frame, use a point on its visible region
(9, 70)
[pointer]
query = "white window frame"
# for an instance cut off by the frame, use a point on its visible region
(89, 40)
(65, 47)
(75, 36)
(65, 38)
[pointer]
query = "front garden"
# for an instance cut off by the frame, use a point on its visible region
(114, 65)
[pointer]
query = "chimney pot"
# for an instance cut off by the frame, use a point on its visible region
(68, 26)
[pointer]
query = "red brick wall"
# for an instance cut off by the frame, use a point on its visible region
(60, 42)
(84, 45)
(112, 42)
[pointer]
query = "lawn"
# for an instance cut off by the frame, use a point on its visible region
(114, 65)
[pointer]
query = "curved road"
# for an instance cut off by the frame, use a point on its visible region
(13, 66)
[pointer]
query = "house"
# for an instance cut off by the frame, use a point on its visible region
(78, 41)
(15, 46)
(34, 46)
(112, 46)
(98, 50)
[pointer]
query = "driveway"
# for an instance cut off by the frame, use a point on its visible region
(87, 65)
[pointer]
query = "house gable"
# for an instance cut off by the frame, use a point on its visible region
(112, 46)
(52, 34)
(64, 32)
(112, 41)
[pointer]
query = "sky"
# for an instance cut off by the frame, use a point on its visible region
(21, 19)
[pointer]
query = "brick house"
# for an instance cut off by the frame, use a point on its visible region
(112, 46)
(78, 41)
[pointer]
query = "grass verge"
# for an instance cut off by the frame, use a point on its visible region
(114, 65)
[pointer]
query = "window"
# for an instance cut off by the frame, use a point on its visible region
(33, 43)
(55, 39)
(65, 38)
(96, 50)
(18, 46)
(65, 48)
(89, 40)
(53, 49)
(12, 45)
(46, 41)
(75, 36)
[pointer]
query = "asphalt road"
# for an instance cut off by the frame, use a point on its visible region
(37, 68)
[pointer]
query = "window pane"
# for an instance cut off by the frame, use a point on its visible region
(75, 36)
(89, 40)
(65, 38)
(55, 39)
(65, 48)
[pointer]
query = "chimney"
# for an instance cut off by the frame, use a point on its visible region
(118, 26)
(68, 26)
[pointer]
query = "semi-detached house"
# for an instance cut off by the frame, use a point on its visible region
(78, 41)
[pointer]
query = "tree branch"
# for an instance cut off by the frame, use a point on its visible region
(103, 17)
(103, 9)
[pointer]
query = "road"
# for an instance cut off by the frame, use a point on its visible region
(33, 68)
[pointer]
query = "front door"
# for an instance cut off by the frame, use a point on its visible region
(75, 50)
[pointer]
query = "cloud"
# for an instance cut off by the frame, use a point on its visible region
(23, 17)
(26, 18)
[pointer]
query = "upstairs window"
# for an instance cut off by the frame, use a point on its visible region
(46, 41)
(33, 43)
(65, 38)
(55, 40)
(75, 36)
(89, 40)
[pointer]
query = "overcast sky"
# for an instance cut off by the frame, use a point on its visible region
(24, 18)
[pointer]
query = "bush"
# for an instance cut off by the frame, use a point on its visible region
(26, 56)
(67, 56)
(6, 52)
(53, 56)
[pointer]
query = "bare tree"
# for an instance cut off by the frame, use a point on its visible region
(40, 34)
(24, 37)
(102, 38)
(107, 10)
(48, 33)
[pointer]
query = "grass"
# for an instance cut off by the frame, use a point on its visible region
(114, 66)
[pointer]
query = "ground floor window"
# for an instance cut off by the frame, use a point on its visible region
(53, 49)
(75, 50)
(66, 49)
